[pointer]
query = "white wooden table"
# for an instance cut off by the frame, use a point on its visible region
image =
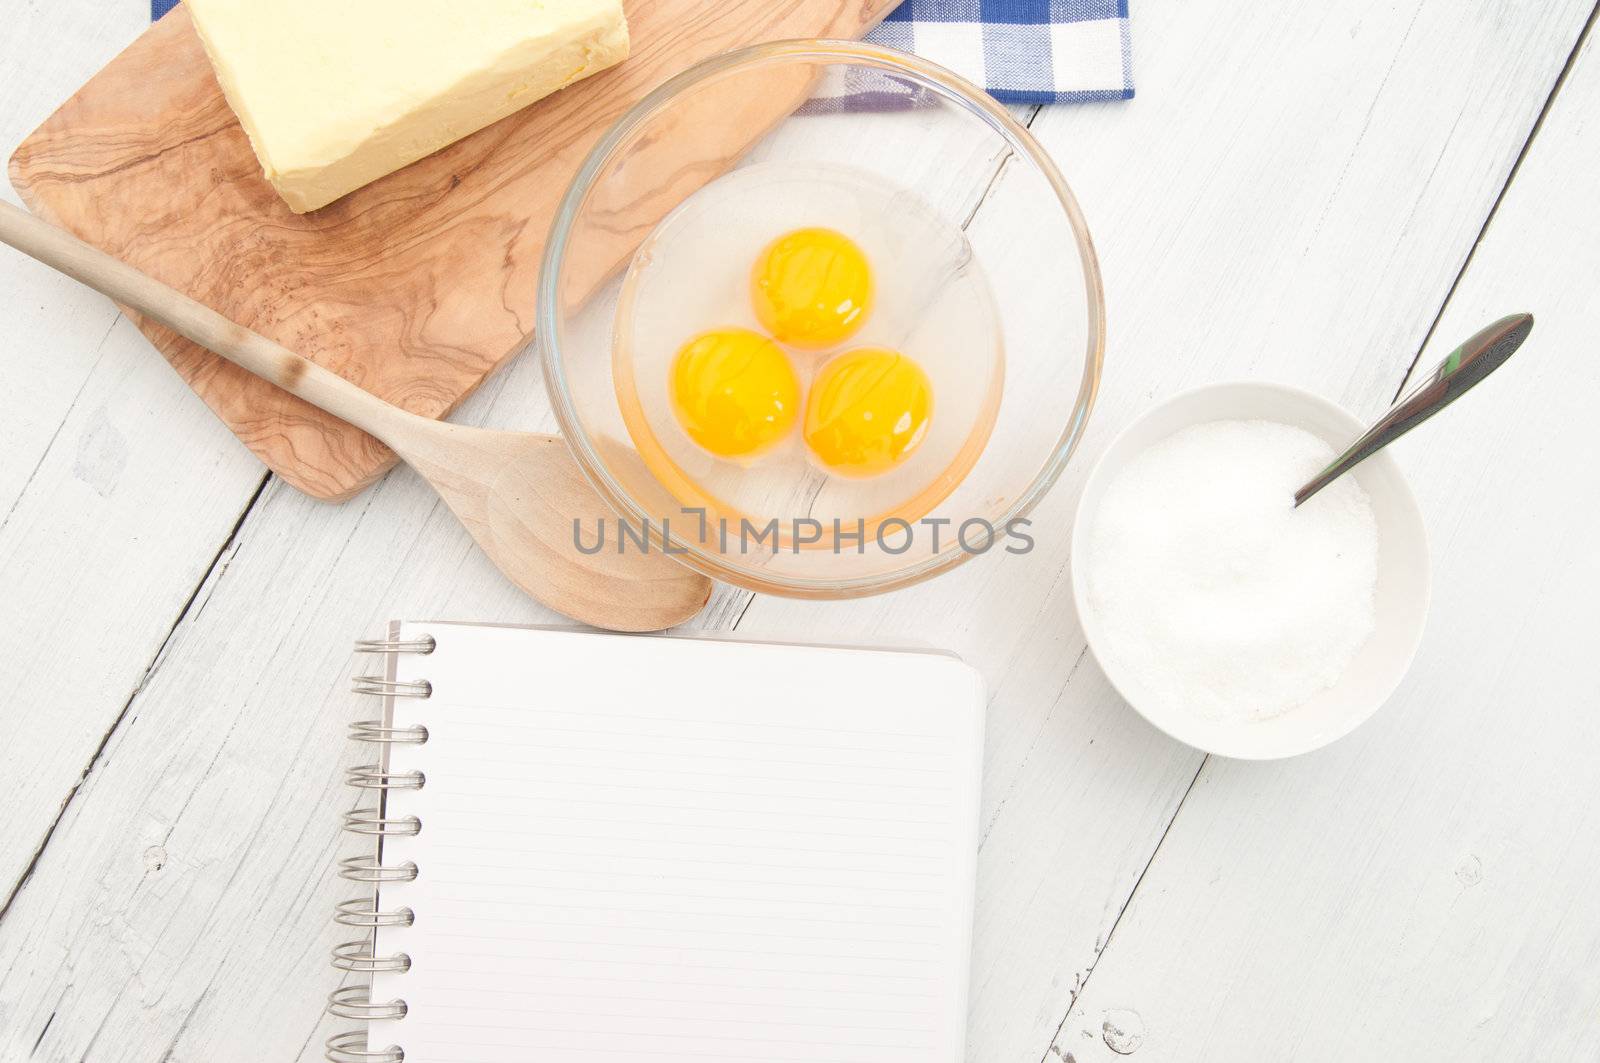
(1321, 194)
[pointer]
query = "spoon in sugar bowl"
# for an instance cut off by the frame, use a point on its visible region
(1461, 370)
(520, 495)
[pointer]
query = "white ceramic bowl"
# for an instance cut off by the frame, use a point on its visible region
(1403, 581)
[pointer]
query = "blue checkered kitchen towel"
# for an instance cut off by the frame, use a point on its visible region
(1023, 51)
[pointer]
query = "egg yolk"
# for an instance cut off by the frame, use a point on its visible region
(868, 410)
(811, 288)
(734, 392)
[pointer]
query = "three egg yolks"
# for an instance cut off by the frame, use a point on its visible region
(736, 394)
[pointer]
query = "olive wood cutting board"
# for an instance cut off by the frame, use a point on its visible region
(415, 287)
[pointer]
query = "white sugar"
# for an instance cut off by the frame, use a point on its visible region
(1223, 599)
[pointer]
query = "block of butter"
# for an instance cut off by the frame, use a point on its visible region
(337, 93)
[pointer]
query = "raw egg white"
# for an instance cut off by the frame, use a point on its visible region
(825, 263)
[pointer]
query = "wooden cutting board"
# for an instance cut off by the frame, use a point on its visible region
(415, 287)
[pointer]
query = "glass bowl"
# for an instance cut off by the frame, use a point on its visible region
(938, 147)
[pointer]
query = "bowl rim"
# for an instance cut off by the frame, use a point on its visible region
(1407, 501)
(548, 331)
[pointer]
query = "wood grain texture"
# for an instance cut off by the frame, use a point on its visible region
(519, 494)
(1425, 889)
(415, 287)
(320, 575)
(117, 485)
(1251, 224)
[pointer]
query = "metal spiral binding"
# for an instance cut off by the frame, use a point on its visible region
(351, 1047)
(405, 688)
(372, 821)
(373, 777)
(359, 956)
(422, 646)
(376, 732)
(360, 911)
(367, 869)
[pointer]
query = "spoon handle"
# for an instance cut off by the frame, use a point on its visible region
(194, 320)
(1457, 374)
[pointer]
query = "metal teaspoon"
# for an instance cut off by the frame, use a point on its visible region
(1457, 374)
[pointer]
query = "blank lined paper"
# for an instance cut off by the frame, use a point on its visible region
(675, 849)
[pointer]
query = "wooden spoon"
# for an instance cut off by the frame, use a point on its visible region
(517, 493)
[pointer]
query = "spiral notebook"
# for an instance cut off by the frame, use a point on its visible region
(602, 848)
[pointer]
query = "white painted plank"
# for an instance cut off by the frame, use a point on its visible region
(1290, 198)
(1426, 888)
(117, 486)
(198, 856)
(47, 52)
(229, 761)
